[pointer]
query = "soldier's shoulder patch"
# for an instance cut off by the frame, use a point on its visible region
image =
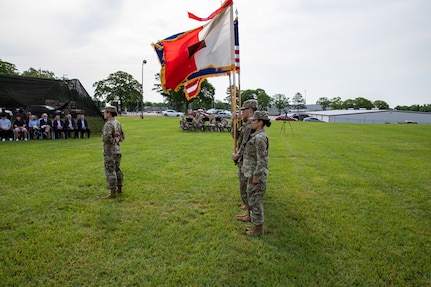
(262, 143)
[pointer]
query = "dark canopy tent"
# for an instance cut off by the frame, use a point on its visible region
(67, 96)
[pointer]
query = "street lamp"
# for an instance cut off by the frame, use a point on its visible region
(142, 82)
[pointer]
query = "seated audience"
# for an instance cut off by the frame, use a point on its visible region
(190, 122)
(19, 126)
(183, 123)
(200, 122)
(224, 124)
(58, 126)
(70, 126)
(82, 126)
(33, 126)
(5, 128)
(46, 126)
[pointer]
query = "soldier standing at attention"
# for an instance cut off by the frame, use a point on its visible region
(248, 108)
(112, 135)
(255, 169)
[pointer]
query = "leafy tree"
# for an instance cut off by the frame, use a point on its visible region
(228, 98)
(298, 102)
(415, 108)
(425, 108)
(177, 99)
(336, 103)
(119, 87)
(8, 68)
(172, 98)
(381, 105)
(363, 103)
(248, 95)
(349, 104)
(263, 100)
(324, 103)
(281, 102)
(222, 105)
(206, 95)
(402, 108)
(44, 74)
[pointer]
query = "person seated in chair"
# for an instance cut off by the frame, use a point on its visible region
(223, 124)
(70, 126)
(33, 126)
(5, 128)
(200, 122)
(183, 123)
(58, 126)
(45, 125)
(82, 126)
(20, 127)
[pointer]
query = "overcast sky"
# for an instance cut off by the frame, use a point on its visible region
(376, 49)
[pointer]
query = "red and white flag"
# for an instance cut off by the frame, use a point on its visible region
(199, 53)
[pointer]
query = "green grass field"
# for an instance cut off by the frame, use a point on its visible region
(346, 205)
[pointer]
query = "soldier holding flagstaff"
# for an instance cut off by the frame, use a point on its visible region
(247, 110)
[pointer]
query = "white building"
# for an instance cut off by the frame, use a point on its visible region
(372, 116)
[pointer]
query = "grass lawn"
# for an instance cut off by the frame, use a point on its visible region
(346, 205)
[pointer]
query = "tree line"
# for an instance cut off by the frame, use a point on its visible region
(7, 68)
(121, 89)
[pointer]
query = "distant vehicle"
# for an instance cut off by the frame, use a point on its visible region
(225, 114)
(285, 118)
(172, 113)
(300, 117)
(211, 111)
(312, 119)
(42, 109)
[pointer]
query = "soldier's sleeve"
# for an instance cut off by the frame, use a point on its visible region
(261, 157)
(122, 135)
(108, 130)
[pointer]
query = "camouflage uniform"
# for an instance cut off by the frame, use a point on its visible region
(112, 153)
(255, 165)
(243, 135)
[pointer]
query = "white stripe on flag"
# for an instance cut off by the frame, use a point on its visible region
(192, 87)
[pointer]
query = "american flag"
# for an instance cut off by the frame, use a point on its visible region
(235, 27)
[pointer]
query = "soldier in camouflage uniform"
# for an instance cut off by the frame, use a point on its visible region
(112, 135)
(255, 169)
(243, 134)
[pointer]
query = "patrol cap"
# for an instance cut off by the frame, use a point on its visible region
(260, 115)
(249, 104)
(112, 110)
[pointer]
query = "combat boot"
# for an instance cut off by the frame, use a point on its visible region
(244, 217)
(243, 207)
(257, 230)
(113, 194)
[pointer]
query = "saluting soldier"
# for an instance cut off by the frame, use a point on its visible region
(112, 135)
